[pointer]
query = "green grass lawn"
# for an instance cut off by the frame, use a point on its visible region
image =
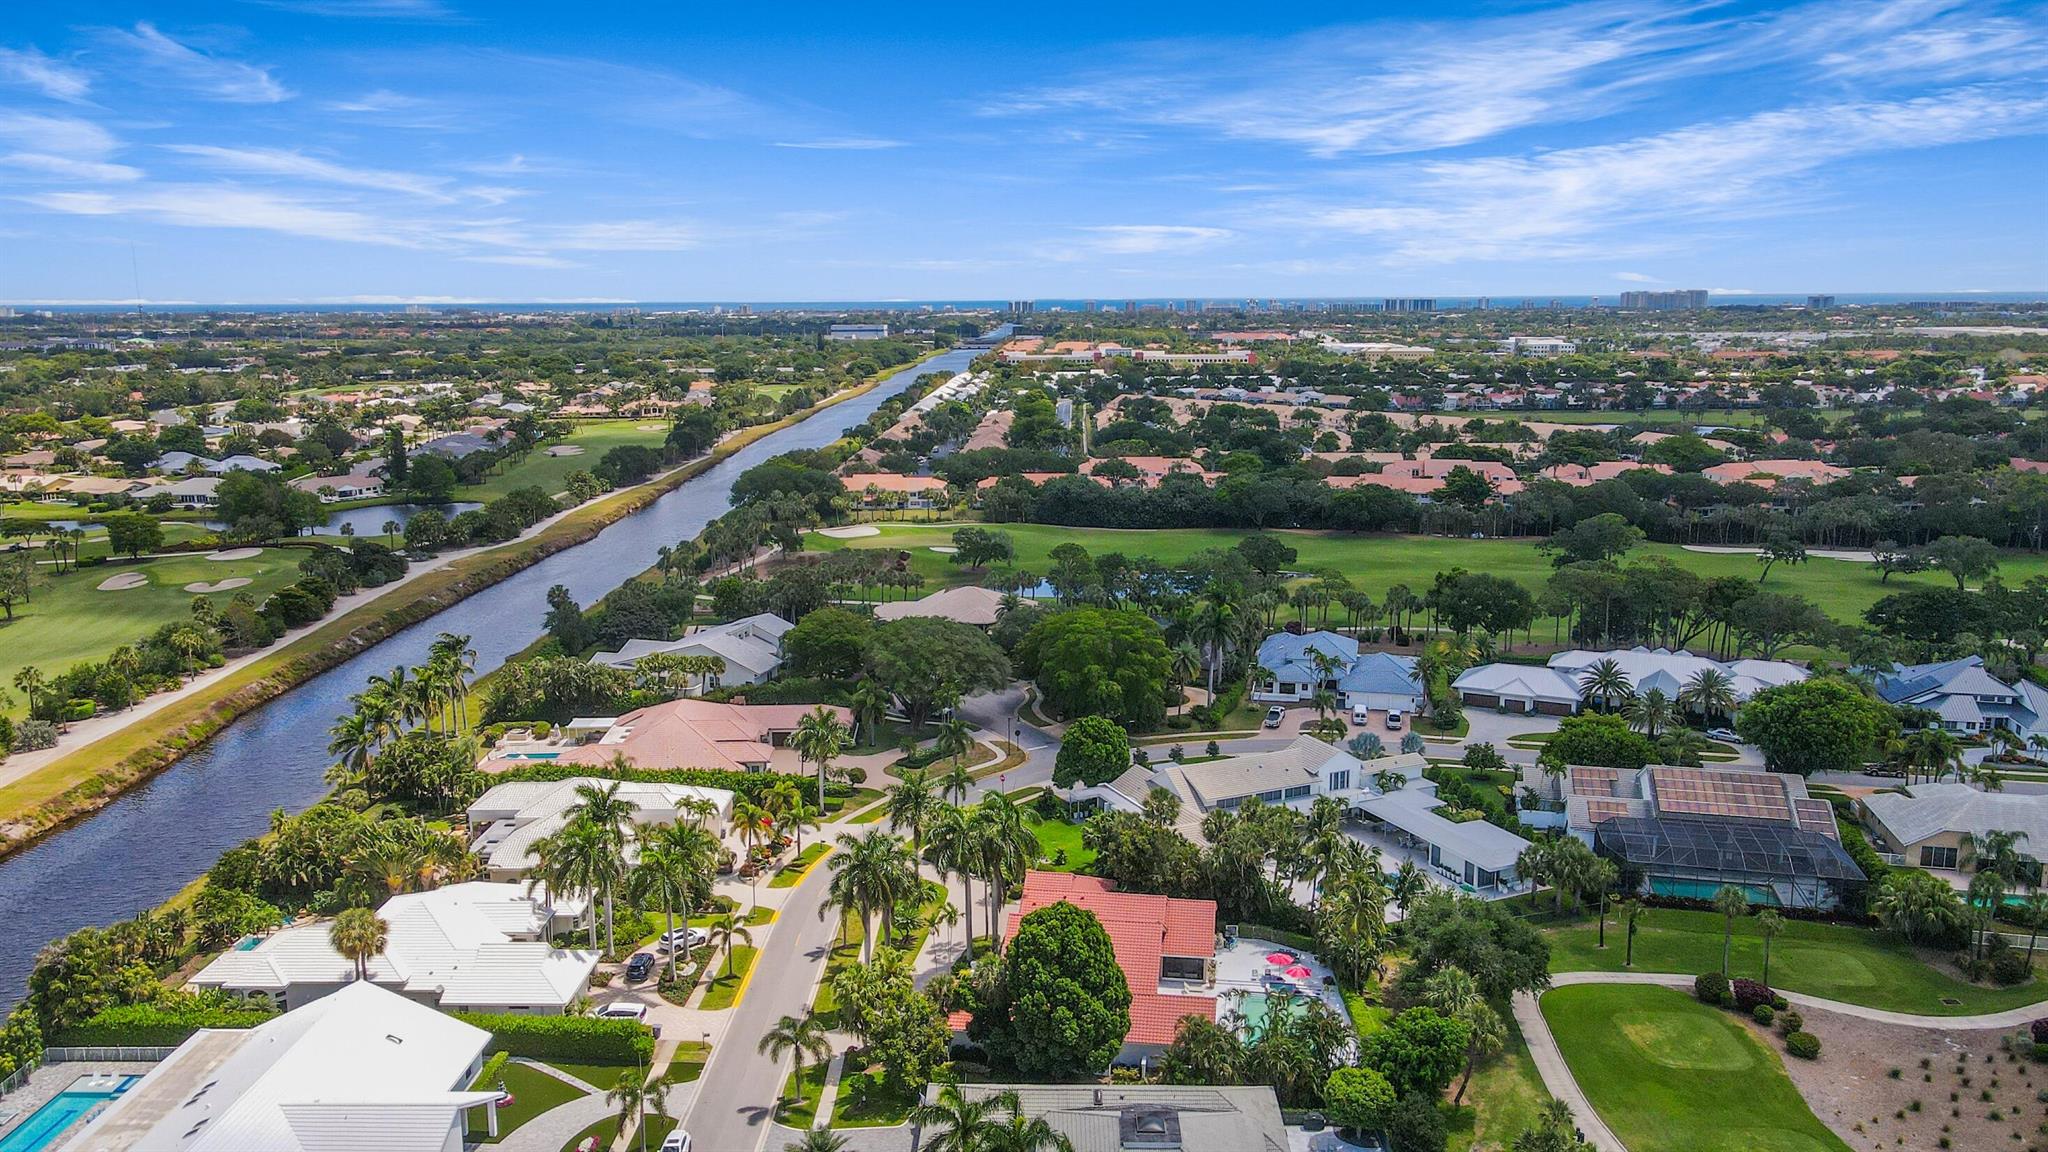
(1670, 1074)
(687, 1065)
(836, 806)
(68, 619)
(1855, 965)
(1504, 1097)
(864, 1103)
(792, 873)
(607, 1130)
(798, 1105)
(1375, 563)
(725, 990)
(550, 473)
(599, 1076)
(533, 1092)
(1055, 836)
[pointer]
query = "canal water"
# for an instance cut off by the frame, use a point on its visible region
(140, 850)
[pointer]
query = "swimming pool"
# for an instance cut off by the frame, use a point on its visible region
(529, 755)
(56, 1117)
(1257, 1007)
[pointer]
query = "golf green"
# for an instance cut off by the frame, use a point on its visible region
(1669, 1074)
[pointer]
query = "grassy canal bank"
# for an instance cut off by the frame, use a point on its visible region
(92, 775)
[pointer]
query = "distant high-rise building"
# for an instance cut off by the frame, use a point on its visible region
(1680, 300)
(1022, 307)
(1485, 302)
(1130, 307)
(1091, 306)
(1820, 301)
(1408, 304)
(1191, 306)
(745, 309)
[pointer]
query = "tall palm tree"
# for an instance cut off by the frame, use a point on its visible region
(956, 738)
(359, 934)
(727, 932)
(578, 858)
(353, 741)
(1021, 1133)
(871, 874)
(635, 1096)
(1323, 844)
(957, 782)
(1606, 682)
(1710, 692)
(1407, 884)
(672, 873)
(817, 1140)
(949, 837)
(804, 1039)
(1649, 713)
(601, 807)
(1630, 913)
(1005, 846)
(870, 705)
(1730, 903)
(819, 737)
(961, 1124)
(912, 803)
(1184, 663)
(1768, 925)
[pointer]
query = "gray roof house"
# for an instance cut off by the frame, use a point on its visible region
(1930, 824)
(751, 648)
(1368, 680)
(1146, 1117)
(1966, 697)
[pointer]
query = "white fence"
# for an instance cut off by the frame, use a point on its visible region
(106, 1055)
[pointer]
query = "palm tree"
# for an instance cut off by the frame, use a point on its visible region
(1006, 846)
(819, 737)
(870, 873)
(1407, 884)
(950, 847)
(1710, 692)
(817, 1140)
(1768, 925)
(912, 804)
(1600, 878)
(1649, 713)
(576, 858)
(635, 1097)
(955, 740)
(870, 706)
(672, 872)
(755, 826)
(353, 740)
(1606, 682)
(963, 1125)
(1021, 1133)
(957, 782)
(391, 528)
(2037, 911)
(1730, 903)
(1631, 911)
(604, 809)
(1323, 844)
(1203, 1051)
(1184, 663)
(804, 1039)
(359, 934)
(1681, 746)
(728, 931)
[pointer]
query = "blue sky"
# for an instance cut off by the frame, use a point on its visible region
(396, 150)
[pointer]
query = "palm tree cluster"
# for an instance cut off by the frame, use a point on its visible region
(600, 852)
(956, 1122)
(1293, 1052)
(433, 696)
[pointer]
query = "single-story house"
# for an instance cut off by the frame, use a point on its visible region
(1930, 825)
(1557, 689)
(751, 648)
(686, 733)
(968, 604)
(478, 946)
(241, 463)
(357, 485)
(506, 821)
(191, 492)
(363, 1068)
(1148, 1117)
(1966, 698)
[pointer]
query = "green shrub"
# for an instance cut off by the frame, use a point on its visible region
(578, 1039)
(1804, 1045)
(494, 1068)
(1711, 988)
(1764, 1013)
(1791, 1021)
(1357, 1098)
(1415, 1125)
(154, 1025)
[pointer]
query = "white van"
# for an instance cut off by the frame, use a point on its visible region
(1361, 716)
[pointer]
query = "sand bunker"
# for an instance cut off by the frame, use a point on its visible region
(1852, 555)
(649, 427)
(235, 554)
(123, 582)
(944, 549)
(566, 450)
(221, 586)
(850, 531)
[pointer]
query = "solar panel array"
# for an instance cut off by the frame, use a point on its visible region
(1602, 808)
(1593, 781)
(1817, 816)
(1722, 847)
(1742, 795)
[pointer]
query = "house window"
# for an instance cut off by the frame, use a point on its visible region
(1229, 802)
(1297, 792)
(1933, 857)
(1272, 797)
(1340, 780)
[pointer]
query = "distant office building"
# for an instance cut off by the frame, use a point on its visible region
(1408, 304)
(1538, 346)
(1191, 306)
(1683, 299)
(1130, 307)
(742, 310)
(857, 332)
(1820, 301)
(1022, 307)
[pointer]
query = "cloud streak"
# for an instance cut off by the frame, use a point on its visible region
(211, 77)
(31, 69)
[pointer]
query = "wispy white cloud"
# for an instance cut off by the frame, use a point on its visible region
(627, 236)
(1104, 240)
(234, 206)
(56, 135)
(521, 260)
(1637, 278)
(842, 144)
(283, 162)
(55, 79)
(1640, 195)
(212, 77)
(67, 168)
(380, 100)
(427, 11)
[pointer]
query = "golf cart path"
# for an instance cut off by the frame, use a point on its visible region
(1557, 1075)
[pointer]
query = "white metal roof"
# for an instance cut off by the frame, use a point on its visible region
(1494, 849)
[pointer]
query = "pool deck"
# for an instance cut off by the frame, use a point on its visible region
(46, 1082)
(1244, 968)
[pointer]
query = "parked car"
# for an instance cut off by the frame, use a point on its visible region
(1393, 719)
(1361, 716)
(640, 967)
(622, 1010)
(689, 938)
(1727, 734)
(678, 1141)
(1275, 715)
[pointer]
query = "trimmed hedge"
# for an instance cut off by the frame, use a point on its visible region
(748, 784)
(1298, 941)
(1804, 1045)
(1710, 988)
(578, 1039)
(154, 1026)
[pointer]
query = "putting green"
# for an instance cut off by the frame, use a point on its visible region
(1675, 1040)
(1832, 967)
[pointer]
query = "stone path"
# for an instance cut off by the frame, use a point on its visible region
(550, 1130)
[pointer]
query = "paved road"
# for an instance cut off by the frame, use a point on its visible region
(735, 1099)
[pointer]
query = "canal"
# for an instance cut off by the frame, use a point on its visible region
(140, 850)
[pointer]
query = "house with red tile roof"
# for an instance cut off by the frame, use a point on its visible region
(1586, 475)
(1767, 473)
(1165, 945)
(686, 733)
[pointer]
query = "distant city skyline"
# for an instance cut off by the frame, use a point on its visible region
(455, 152)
